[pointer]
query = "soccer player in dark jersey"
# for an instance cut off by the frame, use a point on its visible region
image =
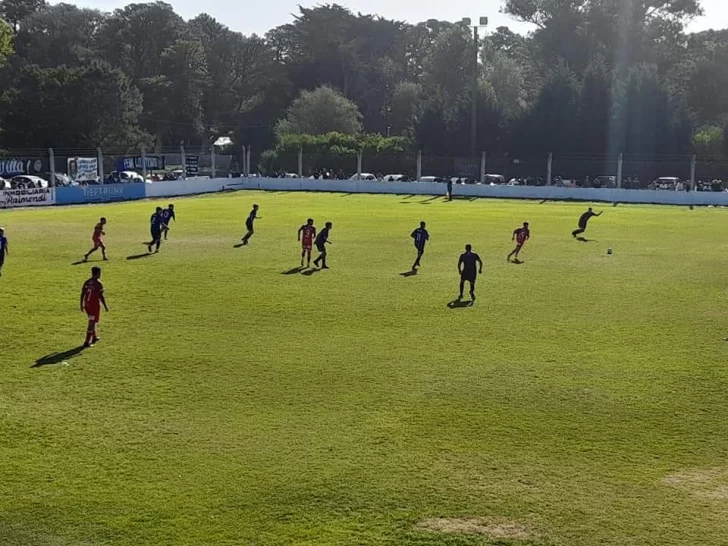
(583, 220)
(321, 241)
(306, 235)
(157, 225)
(4, 250)
(520, 235)
(468, 270)
(420, 237)
(168, 216)
(252, 217)
(92, 298)
(98, 240)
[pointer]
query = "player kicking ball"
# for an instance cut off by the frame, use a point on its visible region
(321, 241)
(469, 266)
(92, 298)
(520, 235)
(583, 221)
(98, 240)
(306, 236)
(420, 237)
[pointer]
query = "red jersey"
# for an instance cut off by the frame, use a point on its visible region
(522, 235)
(307, 235)
(98, 231)
(92, 292)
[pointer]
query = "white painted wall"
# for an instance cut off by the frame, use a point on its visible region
(188, 187)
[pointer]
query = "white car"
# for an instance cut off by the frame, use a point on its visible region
(431, 179)
(363, 176)
(28, 181)
(5, 184)
(394, 178)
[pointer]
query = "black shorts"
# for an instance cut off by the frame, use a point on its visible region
(156, 234)
(249, 225)
(2, 258)
(420, 250)
(470, 277)
(321, 247)
(582, 226)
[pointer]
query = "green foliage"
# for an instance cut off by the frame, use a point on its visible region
(709, 141)
(6, 41)
(321, 111)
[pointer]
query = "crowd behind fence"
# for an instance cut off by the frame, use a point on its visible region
(32, 168)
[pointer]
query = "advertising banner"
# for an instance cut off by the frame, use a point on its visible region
(153, 163)
(100, 193)
(13, 167)
(31, 197)
(83, 169)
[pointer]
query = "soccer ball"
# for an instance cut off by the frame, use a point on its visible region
(609, 251)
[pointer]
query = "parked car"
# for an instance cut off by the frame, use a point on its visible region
(5, 184)
(667, 183)
(363, 176)
(27, 181)
(495, 179)
(61, 179)
(605, 182)
(431, 179)
(396, 178)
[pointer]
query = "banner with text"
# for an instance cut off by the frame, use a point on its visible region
(32, 197)
(192, 165)
(13, 167)
(152, 162)
(83, 169)
(100, 193)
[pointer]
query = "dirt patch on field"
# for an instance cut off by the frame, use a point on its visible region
(493, 527)
(709, 484)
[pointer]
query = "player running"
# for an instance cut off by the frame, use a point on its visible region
(167, 216)
(468, 271)
(156, 227)
(321, 241)
(421, 237)
(520, 235)
(98, 240)
(92, 298)
(306, 235)
(4, 250)
(252, 217)
(583, 220)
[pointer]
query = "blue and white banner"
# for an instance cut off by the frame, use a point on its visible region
(152, 162)
(99, 193)
(13, 166)
(31, 197)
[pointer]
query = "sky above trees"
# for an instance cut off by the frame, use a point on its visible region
(259, 17)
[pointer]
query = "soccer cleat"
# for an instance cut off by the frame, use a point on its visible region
(472, 296)
(325, 267)
(95, 340)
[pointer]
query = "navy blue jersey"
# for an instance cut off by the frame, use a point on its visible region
(3, 245)
(167, 216)
(421, 237)
(470, 261)
(252, 216)
(322, 237)
(156, 221)
(586, 217)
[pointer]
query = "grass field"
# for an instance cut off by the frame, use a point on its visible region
(583, 400)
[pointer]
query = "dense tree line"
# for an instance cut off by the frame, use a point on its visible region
(595, 77)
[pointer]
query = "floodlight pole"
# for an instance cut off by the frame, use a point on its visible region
(483, 22)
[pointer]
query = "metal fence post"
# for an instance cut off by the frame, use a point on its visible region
(359, 159)
(183, 155)
(620, 162)
(483, 159)
(247, 161)
(144, 163)
(549, 169)
(100, 167)
(693, 164)
(300, 162)
(212, 161)
(419, 165)
(52, 165)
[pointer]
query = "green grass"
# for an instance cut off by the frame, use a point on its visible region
(231, 404)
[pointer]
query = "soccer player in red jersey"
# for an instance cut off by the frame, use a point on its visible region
(520, 235)
(92, 298)
(98, 239)
(306, 235)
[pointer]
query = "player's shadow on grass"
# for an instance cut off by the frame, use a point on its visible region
(79, 262)
(427, 201)
(57, 358)
(516, 262)
(239, 245)
(310, 271)
(459, 304)
(585, 240)
(139, 256)
(410, 273)
(293, 271)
